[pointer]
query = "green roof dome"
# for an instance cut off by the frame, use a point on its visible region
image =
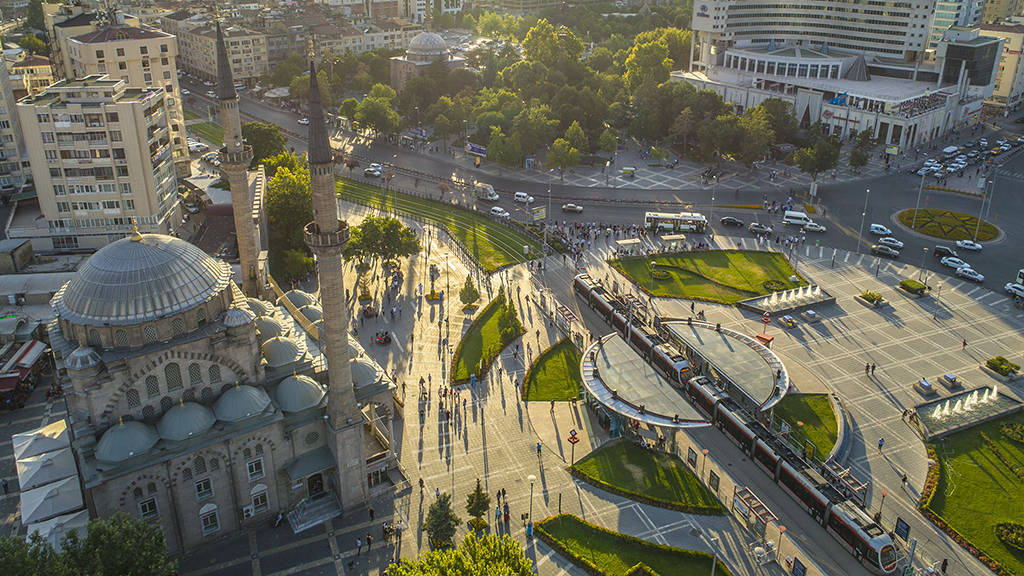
(281, 352)
(365, 373)
(184, 421)
(298, 298)
(260, 307)
(125, 440)
(240, 402)
(297, 392)
(268, 327)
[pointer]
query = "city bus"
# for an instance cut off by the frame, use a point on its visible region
(676, 222)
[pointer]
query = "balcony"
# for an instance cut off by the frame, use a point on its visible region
(316, 239)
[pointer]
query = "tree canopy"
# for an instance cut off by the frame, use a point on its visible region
(441, 521)
(384, 238)
(487, 555)
(265, 139)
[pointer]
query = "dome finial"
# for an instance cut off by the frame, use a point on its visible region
(181, 400)
(120, 420)
(236, 384)
(136, 235)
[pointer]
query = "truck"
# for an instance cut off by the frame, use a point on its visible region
(485, 191)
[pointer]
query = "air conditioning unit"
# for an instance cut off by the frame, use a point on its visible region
(247, 512)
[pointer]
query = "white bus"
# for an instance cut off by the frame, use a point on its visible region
(676, 221)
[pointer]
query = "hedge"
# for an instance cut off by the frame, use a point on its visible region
(649, 500)
(1003, 366)
(913, 286)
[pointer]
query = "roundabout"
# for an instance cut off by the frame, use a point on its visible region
(947, 225)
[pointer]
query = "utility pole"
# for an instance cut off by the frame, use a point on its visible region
(864, 213)
(913, 225)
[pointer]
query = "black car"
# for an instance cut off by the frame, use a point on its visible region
(1019, 120)
(758, 228)
(944, 251)
(730, 221)
(883, 250)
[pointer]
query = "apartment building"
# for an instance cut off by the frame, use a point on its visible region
(1009, 87)
(64, 21)
(14, 166)
(948, 13)
(100, 153)
(996, 10)
(31, 75)
(247, 51)
(142, 58)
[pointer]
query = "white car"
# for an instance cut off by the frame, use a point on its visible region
(376, 166)
(968, 245)
(953, 262)
(966, 272)
(523, 197)
(814, 227)
(1015, 289)
(372, 172)
(499, 212)
(207, 83)
(890, 242)
(185, 91)
(923, 171)
(211, 93)
(304, 121)
(197, 147)
(983, 143)
(192, 208)
(572, 208)
(880, 230)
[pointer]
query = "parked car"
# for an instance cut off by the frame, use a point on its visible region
(192, 208)
(304, 121)
(943, 251)
(197, 147)
(372, 172)
(970, 274)
(954, 262)
(890, 242)
(572, 208)
(814, 227)
(968, 245)
(523, 197)
(883, 250)
(730, 221)
(758, 228)
(211, 93)
(185, 92)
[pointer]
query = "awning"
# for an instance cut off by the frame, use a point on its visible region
(310, 463)
(31, 353)
(46, 439)
(55, 529)
(50, 501)
(36, 471)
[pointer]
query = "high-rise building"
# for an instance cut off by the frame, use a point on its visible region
(144, 58)
(14, 164)
(948, 13)
(67, 20)
(247, 51)
(100, 154)
(1009, 88)
(996, 10)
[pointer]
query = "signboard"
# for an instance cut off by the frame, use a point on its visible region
(892, 149)
(476, 149)
(691, 457)
(419, 133)
(574, 439)
(529, 162)
(798, 568)
(572, 432)
(713, 481)
(740, 508)
(540, 213)
(902, 529)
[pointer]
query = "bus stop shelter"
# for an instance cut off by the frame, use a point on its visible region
(673, 242)
(628, 247)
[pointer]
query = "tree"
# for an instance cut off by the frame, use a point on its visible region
(683, 127)
(299, 87)
(348, 108)
(468, 295)
(116, 544)
(782, 118)
(541, 44)
(485, 555)
(648, 60)
(289, 206)
(443, 128)
(821, 157)
(608, 141)
(289, 160)
(34, 19)
(858, 158)
(562, 155)
(286, 71)
(757, 136)
(509, 326)
(384, 92)
(384, 238)
(533, 127)
(376, 114)
(33, 45)
(478, 502)
(441, 521)
(295, 264)
(504, 150)
(576, 138)
(489, 24)
(600, 59)
(266, 140)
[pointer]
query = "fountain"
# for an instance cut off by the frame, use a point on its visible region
(945, 409)
(984, 397)
(968, 408)
(995, 391)
(793, 300)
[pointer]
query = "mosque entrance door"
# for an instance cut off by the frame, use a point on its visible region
(315, 485)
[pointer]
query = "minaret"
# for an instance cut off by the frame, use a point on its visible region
(235, 158)
(327, 236)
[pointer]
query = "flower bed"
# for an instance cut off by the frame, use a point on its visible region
(913, 286)
(1014, 431)
(1011, 534)
(1003, 366)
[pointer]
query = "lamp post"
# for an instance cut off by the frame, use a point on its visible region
(921, 275)
(882, 503)
(864, 213)
(920, 189)
(703, 462)
(417, 116)
(982, 211)
(714, 550)
(529, 526)
(782, 535)
(713, 190)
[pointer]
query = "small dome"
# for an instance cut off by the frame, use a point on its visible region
(355, 350)
(298, 298)
(236, 317)
(268, 327)
(280, 352)
(240, 402)
(365, 373)
(184, 421)
(312, 313)
(82, 358)
(125, 440)
(260, 307)
(297, 392)
(427, 44)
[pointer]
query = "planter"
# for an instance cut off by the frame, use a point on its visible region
(879, 305)
(997, 375)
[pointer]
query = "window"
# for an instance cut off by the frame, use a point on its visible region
(126, 188)
(186, 473)
(148, 413)
(200, 320)
(259, 449)
(172, 373)
(152, 386)
(151, 488)
(255, 468)
(189, 395)
(177, 327)
(120, 336)
(63, 207)
(59, 190)
(260, 503)
(115, 136)
(214, 464)
(144, 50)
(247, 453)
(204, 489)
(207, 395)
(99, 54)
(122, 65)
(210, 522)
(132, 397)
(148, 509)
(150, 333)
(165, 404)
(112, 117)
(200, 464)
(129, 204)
(195, 374)
(120, 52)
(147, 77)
(137, 492)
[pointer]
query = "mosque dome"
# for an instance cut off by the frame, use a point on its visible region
(365, 373)
(260, 307)
(311, 312)
(82, 358)
(298, 298)
(427, 44)
(125, 440)
(280, 352)
(240, 402)
(141, 279)
(355, 349)
(236, 317)
(184, 421)
(268, 327)
(297, 392)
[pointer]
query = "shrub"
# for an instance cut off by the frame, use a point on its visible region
(913, 286)
(871, 296)
(774, 285)
(478, 524)
(1003, 366)
(1014, 431)
(1011, 534)
(660, 274)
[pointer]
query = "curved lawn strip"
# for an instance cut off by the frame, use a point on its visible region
(647, 476)
(815, 411)
(492, 244)
(555, 375)
(482, 342)
(601, 552)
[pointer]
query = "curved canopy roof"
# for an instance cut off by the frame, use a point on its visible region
(281, 352)
(236, 316)
(260, 307)
(240, 402)
(268, 327)
(140, 279)
(82, 358)
(184, 421)
(365, 373)
(297, 392)
(298, 298)
(312, 312)
(125, 440)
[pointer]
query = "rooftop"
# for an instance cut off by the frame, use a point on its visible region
(32, 62)
(83, 19)
(120, 33)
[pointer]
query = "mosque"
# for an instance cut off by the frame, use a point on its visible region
(197, 405)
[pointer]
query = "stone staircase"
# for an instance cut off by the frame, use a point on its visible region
(313, 512)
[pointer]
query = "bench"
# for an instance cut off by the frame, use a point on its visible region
(924, 387)
(950, 381)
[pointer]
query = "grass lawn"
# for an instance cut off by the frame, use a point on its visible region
(660, 477)
(725, 276)
(491, 243)
(947, 225)
(208, 131)
(976, 491)
(482, 341)
(815, 411)
(616, 554)
(555, 375)
(190, 115)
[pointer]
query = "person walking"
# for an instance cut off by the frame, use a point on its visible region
(369, 542)
(370, 510)
(4, 484)
(872, 368)
(867, 368)
(359, 546)
(963, 345)
(903, 481)
(552, 406)
(881, 442)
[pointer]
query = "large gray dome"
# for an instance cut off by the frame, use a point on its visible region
(427, 44)
(298, 392)
(124, 441)
(365, 372)
(141, 279)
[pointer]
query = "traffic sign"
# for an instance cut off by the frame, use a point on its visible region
(766, 319)
(574, 439)
(572, 432)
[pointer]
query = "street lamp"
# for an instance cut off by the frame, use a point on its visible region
(714, 549)
(782, 535)
(713, 190)
(921, 275)
(417, 116)
(529, 530)
(703, 462)
(882, 503)
(920, 188)
(860, 233)
(981, 212)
